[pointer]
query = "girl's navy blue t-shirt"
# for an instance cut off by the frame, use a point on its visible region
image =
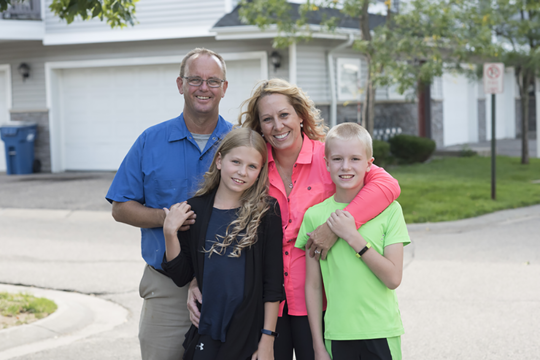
(223, 279)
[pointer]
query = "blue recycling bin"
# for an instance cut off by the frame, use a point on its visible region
(19, 143)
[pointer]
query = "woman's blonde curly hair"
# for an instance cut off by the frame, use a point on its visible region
(254, 201)
(313, 124)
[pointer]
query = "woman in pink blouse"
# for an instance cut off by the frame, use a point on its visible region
(294, 131)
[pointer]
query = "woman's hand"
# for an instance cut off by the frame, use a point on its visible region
(320, 241)
(265, 350)
(194, 296)
(322, 355)
(176, 216)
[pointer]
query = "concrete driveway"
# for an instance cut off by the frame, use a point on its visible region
(470, 288)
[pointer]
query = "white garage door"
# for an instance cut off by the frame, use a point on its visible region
(103, 110)
(3, 117)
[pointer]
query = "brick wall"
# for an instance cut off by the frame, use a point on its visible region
(395, 114)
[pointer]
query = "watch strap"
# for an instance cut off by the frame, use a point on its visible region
(269, 332)
(362, 252)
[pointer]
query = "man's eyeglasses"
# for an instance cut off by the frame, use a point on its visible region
(197, 81)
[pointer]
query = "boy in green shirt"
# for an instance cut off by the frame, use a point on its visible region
(362, 269)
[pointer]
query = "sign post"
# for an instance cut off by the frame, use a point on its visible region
(537, 95)
(493, 84)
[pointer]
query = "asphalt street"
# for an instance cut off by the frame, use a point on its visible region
(469, 291)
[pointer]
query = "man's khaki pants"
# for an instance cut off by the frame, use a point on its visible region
(164, 317)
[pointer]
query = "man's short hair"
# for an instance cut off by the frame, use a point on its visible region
(347, 131)
(202, 51)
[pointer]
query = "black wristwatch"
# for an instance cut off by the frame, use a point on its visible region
(268, 332)
(361, 252)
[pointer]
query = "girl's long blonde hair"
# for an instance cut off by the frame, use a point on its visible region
(313, 125)
(253, 202)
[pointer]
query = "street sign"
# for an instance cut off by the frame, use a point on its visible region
(493, 84)
(493, 78)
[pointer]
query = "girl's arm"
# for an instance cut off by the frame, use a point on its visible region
(273, 291)
(265, 351)
(314, 291)
(379, 191)
(387, 267)
(273, 257)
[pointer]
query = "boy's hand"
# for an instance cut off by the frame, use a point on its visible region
(175, 217)
(342, 224)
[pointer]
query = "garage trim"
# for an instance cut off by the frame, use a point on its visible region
(7, 69)
(53, 83)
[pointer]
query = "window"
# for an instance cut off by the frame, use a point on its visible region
(348, 79)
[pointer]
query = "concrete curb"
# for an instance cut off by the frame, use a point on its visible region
(78, 316)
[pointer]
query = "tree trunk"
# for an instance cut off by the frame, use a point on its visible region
(365, 107)
(368, 107)
(368, 112)
(524, 90)
(371, 107)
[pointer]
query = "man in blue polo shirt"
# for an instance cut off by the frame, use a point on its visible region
(162, 168)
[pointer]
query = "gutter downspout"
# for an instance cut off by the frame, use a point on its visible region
(292, 64)
(331, 73)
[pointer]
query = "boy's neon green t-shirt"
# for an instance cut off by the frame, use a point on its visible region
(359, 305)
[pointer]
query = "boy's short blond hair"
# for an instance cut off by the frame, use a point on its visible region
(347, 131)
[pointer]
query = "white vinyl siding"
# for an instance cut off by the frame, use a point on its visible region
(31, 94)
(312, 74)
(150, 14)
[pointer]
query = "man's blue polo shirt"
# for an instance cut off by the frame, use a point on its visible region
(165, 166)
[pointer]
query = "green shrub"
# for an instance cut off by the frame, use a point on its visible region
(381, 152)
(467, 152)
(411, 149)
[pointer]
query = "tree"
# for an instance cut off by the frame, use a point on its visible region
(406, 50)
(117, 13)
(513, 29)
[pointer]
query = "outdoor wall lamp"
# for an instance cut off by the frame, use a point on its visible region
(275, 58)
(24, 70)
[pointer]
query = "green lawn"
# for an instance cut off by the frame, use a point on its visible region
(457, 188)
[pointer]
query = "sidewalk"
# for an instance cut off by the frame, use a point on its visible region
(506, 147)
(468, 288)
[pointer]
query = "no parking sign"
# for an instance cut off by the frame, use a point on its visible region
(493, 84)
(493, 78)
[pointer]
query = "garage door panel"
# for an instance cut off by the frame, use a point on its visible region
(105, 109)
(83, 157)
(242, 76)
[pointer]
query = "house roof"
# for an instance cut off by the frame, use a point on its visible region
(232, 19)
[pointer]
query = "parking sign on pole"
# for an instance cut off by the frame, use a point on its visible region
(493, 84)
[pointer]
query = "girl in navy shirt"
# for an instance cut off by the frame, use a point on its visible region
(234, 252)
